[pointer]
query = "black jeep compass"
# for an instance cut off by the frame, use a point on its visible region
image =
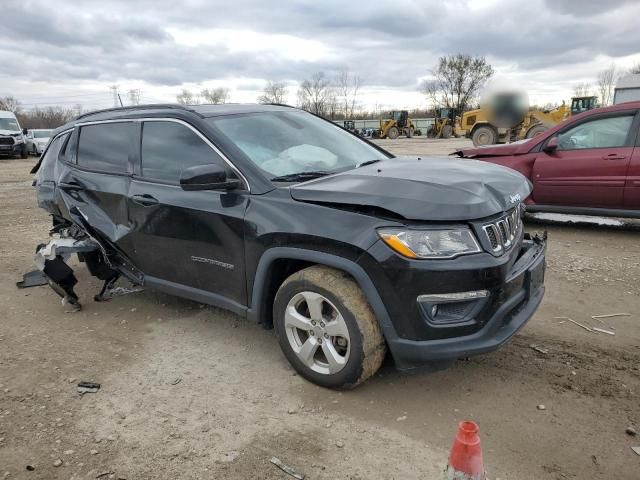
(293, 222)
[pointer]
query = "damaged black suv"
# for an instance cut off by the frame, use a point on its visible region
(293, 222)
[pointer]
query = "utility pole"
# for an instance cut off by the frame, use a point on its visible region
(134, 96)
(114, 90)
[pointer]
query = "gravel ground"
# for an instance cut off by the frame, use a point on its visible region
(193, 392)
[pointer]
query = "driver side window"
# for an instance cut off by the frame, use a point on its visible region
(600, 133)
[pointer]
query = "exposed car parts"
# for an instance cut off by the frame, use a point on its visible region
(51, 260)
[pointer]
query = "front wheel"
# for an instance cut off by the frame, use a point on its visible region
(327, 329)
(393, 133)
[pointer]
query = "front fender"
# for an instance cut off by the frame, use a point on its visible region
(257, 306)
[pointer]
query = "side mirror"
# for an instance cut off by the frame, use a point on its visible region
(24, 131)
(551, 146)
(207, 177)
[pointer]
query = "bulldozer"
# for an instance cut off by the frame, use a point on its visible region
(476, 124)
(398, 124)
(444, 123)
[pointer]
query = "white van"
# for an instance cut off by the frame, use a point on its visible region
(12, 141)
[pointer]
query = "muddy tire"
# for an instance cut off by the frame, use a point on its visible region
(535, 131)
(447, 131)
(484, 136)
(327, 329)
(393, 133)
(410, 132)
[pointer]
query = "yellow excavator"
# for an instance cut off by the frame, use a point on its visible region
(398, 124)
(476, 124)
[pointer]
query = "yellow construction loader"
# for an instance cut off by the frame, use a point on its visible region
(476, 124)
(443, 124)
(398, 124)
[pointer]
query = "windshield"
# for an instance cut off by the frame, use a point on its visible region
(42, 133)
(288, 143)
(9, 124)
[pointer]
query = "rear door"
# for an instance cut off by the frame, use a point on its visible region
(185, 239)
(589, 167)
(97, 179)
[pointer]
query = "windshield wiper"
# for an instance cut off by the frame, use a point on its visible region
(300, 176)
(368, 162)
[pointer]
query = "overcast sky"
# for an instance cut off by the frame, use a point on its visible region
(68, 52)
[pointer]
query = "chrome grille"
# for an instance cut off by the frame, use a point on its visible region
(503, 232)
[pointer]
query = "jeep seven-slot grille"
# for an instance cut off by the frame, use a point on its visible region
(504, 231)
(6, 140)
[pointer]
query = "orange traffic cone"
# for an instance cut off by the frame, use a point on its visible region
(465, 459)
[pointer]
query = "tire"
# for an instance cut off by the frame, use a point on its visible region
(350, 328)
(535, 131)
(447, 131)
(411, 132)
(393, 133)
(23, 152)
(484, 136)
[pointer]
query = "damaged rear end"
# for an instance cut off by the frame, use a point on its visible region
(80, 227)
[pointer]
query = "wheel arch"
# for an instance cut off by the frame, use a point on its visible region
(268, 279)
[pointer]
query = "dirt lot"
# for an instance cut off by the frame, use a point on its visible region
(192, 392)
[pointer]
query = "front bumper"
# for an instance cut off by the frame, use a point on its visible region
(15, 149)
(513, 301)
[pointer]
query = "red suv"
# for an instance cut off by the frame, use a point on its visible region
(589, 164)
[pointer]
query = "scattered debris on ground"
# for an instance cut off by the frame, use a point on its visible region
(287, 469)
(88, 387)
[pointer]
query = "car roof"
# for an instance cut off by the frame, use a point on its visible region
(204, 110)
(7, 114)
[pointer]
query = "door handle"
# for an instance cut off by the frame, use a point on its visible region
(145, 200)
(71, 186)
(614, 156)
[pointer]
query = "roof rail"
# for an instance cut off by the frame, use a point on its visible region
(135, 107)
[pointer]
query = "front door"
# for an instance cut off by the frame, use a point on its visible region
(589, 167)
(187, 239)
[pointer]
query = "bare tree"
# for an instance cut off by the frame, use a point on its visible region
(187, 98)
(583, 89)
(274, 92)
(48, 117)
(348, 86)
(215, 95)
(606, 83)
(457, 80)
(315, 94)
(9, 103)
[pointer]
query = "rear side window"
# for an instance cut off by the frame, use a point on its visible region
(105, 146)
(46, 170)
(169, 147)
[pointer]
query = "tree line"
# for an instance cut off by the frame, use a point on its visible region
(39, 117)
(605, 83)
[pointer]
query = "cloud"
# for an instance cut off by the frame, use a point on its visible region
(163, 45)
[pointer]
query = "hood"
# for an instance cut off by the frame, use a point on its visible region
(9, 132)
(514, 148)
(436, 189)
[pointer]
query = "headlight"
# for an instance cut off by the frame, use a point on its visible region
(430, 243)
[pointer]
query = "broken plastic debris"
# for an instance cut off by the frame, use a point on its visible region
(34, 278)
(88, 387)
(609, 315)
(287, 469)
